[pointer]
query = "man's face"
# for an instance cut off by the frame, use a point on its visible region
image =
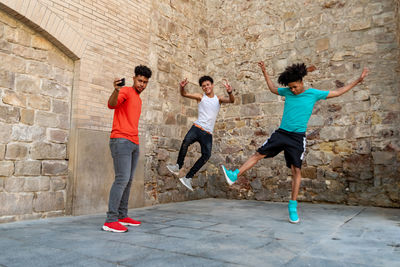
(207, 87)
(296, 87)
(139, 83)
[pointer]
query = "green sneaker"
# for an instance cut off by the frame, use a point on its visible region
(292, 207)
(230, 176)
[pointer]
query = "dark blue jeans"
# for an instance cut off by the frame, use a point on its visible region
(195, 134)
(125, 156)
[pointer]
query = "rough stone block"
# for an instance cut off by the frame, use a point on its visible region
(54, 89)
(48, 201)
(27, 116)
(315, 158)
(27, 133)
(384, 158)
(38, 68)
(27, 168)
(57, 136)
(322, 44)
(27, 84)
(58, 183)
(248, 98)
(332, 133)
(2, 151)
(60, 107)
(14, 99)
(9, 114)
(36, 184)
(15, 204)
(360, 25)
(47, 119)
(6, 168)
(7, 79)
(14, 184)
(16, 151)
(39, 102)
(5, 133)
(42, 150)
(54, 167)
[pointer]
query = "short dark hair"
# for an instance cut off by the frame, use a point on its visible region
(205, 78)
(143, 71)
(293, 73)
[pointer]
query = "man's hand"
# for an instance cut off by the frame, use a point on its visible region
(262, 66)
(227, 86)
(116, 81)
(183, 83)
(364, 74)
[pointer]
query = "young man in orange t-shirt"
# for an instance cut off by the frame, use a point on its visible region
(124, 146)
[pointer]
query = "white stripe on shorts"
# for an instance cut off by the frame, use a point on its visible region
(304, 148)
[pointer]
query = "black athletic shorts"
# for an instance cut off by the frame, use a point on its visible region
(293, 144)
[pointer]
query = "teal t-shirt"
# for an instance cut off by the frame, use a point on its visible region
(298, 108)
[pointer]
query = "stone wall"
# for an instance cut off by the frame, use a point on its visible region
(178, 50)
(353, 140)
(35, 89)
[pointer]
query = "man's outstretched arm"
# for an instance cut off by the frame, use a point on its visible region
(270, 84)
(347, 87)
(113, 99)
(195, 96)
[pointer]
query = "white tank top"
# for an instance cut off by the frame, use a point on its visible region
(208, 111)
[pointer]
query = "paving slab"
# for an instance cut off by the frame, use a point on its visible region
(211, 232)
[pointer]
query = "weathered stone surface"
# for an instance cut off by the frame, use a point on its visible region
(9, 114)
(57, 136)
(36, 184)
(27, 133)
(47, 119)
(27, 168)
(7, 79)
(27, 116)
(54, 89)
(14, 99)
(48, 201)
(385, 158)
(54, 167)
(42, 150)
(14, 184)
(16, 151)
(6, 168)
(15, 204)
(60, 107)
(27, 83)
(39, 102)
(58, 183)
(2, 151)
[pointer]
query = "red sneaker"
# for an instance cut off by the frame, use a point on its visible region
(115, 227)
(129, 221)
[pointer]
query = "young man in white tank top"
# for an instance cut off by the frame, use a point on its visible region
(202, 128)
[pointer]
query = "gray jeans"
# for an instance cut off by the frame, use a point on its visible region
(125, 156)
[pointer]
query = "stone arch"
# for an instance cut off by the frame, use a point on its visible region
(47, 23)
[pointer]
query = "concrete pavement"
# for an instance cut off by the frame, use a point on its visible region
(211, 232)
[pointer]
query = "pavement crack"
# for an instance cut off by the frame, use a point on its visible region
(352, 217)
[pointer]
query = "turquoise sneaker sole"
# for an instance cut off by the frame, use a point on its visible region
(228, 180)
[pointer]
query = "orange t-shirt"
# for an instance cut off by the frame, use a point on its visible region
(126, 115)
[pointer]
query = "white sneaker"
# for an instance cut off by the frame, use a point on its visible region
(174, 169)
(187, 182)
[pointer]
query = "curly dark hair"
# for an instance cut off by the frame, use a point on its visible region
(293, 73)
(205, 78)
(143, 71)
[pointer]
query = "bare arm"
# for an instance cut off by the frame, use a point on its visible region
(347, 87)
(195, 96)
(113, 99)
(227, 99)
(270, 84)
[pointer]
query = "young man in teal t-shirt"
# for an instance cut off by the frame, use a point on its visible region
(290, 137)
